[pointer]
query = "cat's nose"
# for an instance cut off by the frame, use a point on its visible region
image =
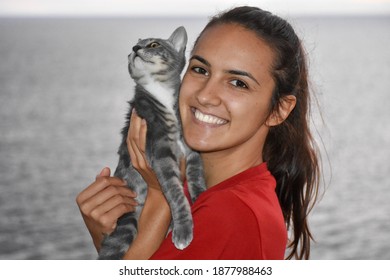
(136, 48)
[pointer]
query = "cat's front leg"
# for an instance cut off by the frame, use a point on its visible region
(194, 174)
(168, 174)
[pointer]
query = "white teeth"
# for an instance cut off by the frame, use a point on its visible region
(208, 118)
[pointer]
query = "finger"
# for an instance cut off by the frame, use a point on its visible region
(136, 127)
(111, 203)
(110, 192)
(135, 124)
(109, 219)
(131, 134)
(142, 142)
(136, 142)
(105, 172)
(142, 135)
(97, 186)
(107, 199)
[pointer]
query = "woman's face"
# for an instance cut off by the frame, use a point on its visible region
(226, 91)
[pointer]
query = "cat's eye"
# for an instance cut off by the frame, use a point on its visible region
(153, 45)
(200, 70)
(239, 84)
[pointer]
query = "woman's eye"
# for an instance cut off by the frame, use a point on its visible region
(238, 83)
(153, 45)
(200, 70)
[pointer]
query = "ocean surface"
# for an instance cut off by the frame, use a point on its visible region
(63, 92)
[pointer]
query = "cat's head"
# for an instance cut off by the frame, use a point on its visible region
(158, 59)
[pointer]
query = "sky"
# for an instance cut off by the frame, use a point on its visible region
(187, 7)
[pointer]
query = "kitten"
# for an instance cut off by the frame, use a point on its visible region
(155, 65)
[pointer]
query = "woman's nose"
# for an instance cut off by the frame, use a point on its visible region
(209, 94)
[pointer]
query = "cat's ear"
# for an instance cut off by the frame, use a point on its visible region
(179, 39)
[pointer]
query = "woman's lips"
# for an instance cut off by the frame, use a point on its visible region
(208, 119)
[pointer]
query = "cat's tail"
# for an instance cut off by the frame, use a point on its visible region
(115, 245)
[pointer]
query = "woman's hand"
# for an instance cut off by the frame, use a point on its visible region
(155, 217)
(108, 198)
(103, 202)
(136, 143)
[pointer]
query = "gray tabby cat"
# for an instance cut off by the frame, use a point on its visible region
(155, 65)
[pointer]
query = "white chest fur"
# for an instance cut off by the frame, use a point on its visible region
(163, 94)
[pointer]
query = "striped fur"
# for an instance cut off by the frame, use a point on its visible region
(156, 71)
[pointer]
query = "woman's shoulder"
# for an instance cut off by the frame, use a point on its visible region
(248, 208)
(253, 188)
(254, 201)
(231, 221)
(255, 225)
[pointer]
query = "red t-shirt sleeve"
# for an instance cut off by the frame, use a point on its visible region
(221, 231)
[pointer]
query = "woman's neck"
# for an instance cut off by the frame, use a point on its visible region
(220, 166)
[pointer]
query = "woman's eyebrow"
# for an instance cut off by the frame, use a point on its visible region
(243, 73)
(201, 59)
(233, 72)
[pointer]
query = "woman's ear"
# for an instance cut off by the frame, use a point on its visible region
(286, 105)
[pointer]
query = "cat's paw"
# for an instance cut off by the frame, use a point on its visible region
(182, 236)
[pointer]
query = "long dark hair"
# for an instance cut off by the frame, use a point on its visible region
(290, 150)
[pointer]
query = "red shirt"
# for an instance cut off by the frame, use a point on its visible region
(239, 218)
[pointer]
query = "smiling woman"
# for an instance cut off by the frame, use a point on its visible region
(226, 84)
(244, 106)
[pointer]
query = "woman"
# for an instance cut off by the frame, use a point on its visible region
(244, 105)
